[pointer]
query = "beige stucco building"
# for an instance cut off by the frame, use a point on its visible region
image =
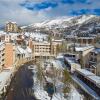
(11, 27)
(43, 49)
(9, 55)
(81, 40)
(84, 54)
(94, 62)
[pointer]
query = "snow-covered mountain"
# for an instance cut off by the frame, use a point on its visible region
(70, 25)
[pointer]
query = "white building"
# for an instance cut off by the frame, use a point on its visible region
(24, 53)
(11, 37)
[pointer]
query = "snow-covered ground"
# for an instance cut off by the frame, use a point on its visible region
(41, 94)
(36, 36)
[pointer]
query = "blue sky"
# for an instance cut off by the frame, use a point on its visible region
(30, 11)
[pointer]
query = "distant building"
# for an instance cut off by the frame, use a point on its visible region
(11, 27)
(86, 40)
(81, 40)
(11, 37)
(2, 55)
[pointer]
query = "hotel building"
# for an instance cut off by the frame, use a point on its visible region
(43, 49)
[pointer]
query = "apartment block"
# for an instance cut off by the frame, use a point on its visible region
(84, 54)
(43, 49)
(82, 40)
(9, 55)
(94, 62)
(11, 27)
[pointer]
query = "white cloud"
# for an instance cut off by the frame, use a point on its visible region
(11, 10)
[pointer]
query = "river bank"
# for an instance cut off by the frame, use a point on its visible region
(21, 86)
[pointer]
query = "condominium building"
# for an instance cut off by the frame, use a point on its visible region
(9, 55)
(94, 62)
(43, 49)
(2, 55)
(11, 27)
(86, 40)
(13, 37)
(81, 40)
(84, 54)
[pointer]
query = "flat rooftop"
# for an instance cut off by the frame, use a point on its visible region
(96, 50)
(83, 48)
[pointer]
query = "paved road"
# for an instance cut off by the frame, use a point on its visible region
(21, 87)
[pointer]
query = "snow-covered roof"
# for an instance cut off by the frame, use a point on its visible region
(85, 72)
(70, 59)
(41, 43)
(92, 37)
(91, 76)
(57, 40)
(20, 50)
(96, 50)
(83, 48)
(2, 32)
(95, 79)
(10, 22)
(1, 43)
(27, 51)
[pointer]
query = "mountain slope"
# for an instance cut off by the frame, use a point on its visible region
(78, 25)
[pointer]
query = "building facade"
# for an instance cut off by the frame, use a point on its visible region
(94, 62)
(9, 55)
(43, 49)
(82, 40)
(11, 27)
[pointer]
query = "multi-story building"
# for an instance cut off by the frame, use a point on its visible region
(94, 62)
(86, 40)
(84, 54)
(11, 37)
(43, 49)
(81, 40)
(11, 27)
(9, 55)
(2, 55)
